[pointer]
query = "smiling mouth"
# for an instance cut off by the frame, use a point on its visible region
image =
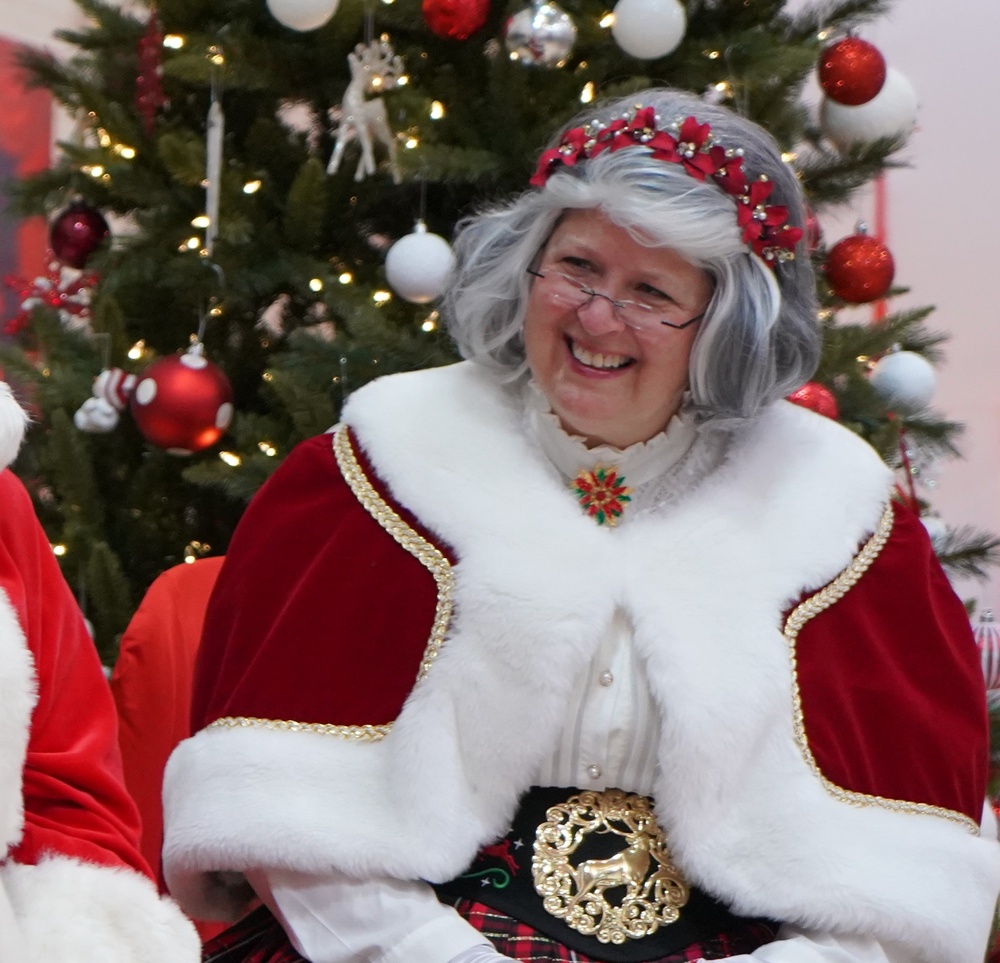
(600, 362)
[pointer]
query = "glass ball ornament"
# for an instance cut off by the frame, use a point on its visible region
(904, 379)
(76, 233)
(541, 35)
(183, 403)
(851, 71)
(648, 29)
(302, 15)
(816, 397)
(455, 19)
(891, 113)
(859, 268)
(987, 635)
(419, 265)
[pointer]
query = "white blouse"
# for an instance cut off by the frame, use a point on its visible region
(609, 740)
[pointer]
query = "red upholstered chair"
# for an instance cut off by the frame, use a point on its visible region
(151, 683)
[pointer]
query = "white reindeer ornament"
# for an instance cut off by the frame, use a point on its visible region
(375, 68)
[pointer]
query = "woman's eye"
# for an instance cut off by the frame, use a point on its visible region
(579, 264)
(648, 293)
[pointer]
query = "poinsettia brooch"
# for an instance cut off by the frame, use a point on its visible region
(602, 493)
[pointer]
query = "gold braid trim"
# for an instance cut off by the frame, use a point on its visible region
(423, 551)
(357, 733)
(809, 609)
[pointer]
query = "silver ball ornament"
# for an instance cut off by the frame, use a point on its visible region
(541, 35)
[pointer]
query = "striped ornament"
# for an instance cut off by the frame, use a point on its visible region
(987, 633)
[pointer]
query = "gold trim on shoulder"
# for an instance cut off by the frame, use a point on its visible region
(794, 624)
(423, 551)
(655, 891)
(357, 733)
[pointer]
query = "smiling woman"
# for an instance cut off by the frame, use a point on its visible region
(583, 649)
(609, 380)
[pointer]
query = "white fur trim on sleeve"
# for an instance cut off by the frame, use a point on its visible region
(70, 912)
(13, 421)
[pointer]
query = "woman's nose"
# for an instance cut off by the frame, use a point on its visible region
(599, 315)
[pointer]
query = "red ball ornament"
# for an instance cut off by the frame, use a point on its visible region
(860, 269)
(455, 19)
(851, 71)
(816, 397)
(76, 233)
(182, 403)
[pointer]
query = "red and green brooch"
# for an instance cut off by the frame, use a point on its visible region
(602, 494)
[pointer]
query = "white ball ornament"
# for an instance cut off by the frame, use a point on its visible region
(302, 14)
(935, 526)
(892, 112)
(648, 29)
(904, 379)
(419, 265)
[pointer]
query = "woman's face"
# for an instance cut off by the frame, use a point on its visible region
(612, 383)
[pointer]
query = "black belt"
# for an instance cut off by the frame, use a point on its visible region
(592, 870)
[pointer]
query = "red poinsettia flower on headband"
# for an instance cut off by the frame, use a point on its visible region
(642, 131)
(753, 215)
(572, 147)
(728, 171)
(777, 245)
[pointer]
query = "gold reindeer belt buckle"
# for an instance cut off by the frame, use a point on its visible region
(625, 895)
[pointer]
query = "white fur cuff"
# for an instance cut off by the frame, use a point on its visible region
(74, 912)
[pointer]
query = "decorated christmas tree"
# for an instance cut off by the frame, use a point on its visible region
(251, 218)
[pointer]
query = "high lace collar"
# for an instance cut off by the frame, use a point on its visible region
(638, 463)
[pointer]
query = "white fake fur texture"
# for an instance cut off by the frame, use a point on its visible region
(535, 588)
(13, 421)
(18, 694)
(75, 912)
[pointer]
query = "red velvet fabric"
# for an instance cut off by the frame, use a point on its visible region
(75, 803)
(151, 685)
(891, 684)
(291, 627)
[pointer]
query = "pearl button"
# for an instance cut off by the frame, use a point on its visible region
(605, 678)
(594, 772)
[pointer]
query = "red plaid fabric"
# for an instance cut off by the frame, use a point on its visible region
(259, 938)
(521, 942)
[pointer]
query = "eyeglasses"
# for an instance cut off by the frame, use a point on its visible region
(636, 314)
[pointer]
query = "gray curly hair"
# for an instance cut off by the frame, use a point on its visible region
(759, 339)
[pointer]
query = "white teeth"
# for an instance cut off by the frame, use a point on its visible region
(598, 360)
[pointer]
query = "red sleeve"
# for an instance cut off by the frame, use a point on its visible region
(891, 684)
(318, 615)
(75, 802)
(151, 685)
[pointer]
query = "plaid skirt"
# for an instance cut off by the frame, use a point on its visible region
(259, 938)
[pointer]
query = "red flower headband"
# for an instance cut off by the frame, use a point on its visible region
(765, 227)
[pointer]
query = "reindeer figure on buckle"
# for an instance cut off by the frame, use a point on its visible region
(375, 68)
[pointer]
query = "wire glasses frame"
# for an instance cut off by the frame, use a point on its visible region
(635, 314)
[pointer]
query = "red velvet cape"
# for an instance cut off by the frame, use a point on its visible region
(319, 616)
